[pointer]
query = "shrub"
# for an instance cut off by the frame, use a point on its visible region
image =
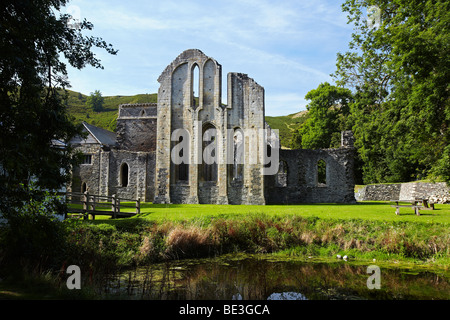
(33, 238)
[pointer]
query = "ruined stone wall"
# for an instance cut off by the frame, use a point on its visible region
(302, 185)
(163, 142)
(140, 174)
(237, 192)
(178, 109)
(386, 192)
(245, 111)
(189, 98)
(104, 173)
(102, 176)
(435, 192)
(136, 127)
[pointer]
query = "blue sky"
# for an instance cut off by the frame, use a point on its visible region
(288, 47)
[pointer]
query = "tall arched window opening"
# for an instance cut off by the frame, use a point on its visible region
(195, 86)
(124, 170)
(209, 152)
(238, 153)
(83, 187)
(182, 169)
(321, 173)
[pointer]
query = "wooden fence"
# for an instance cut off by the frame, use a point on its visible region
(93, 204)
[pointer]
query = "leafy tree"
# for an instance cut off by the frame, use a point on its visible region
(33, 35)
(399, 73)
(328, 116)
(35, 236)
(95, 101)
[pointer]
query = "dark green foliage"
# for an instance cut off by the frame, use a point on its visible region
(34, 237)
(328, 116)
(95, 101)
(32, 82)
(399, 72)
(34, 126)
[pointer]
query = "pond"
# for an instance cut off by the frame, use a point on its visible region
(254, 277)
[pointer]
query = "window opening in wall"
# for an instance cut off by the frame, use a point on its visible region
(321, 173)
(269, 155)
(182, 169)
(238, 161)
(83, 187)
(87, 159)
(209, 164)
(281, 176)
(195, 85)
(124, 175)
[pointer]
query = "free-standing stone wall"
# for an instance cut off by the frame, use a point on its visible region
(435, 192)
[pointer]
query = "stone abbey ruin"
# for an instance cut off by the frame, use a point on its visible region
(135, 161)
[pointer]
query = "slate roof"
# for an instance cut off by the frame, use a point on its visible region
(103, 136)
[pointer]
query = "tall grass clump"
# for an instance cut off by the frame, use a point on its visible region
(188, 241)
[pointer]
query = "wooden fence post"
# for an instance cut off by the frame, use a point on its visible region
(86, 205)
(93, 207)
(138, 206)
(93, 203)
(113, 205)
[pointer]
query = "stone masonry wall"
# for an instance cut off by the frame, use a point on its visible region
(302, 177)
(435, 192)
(136, 127)
(140, 175)
(144, 145)
(383, 192)
(245, 111)
(177, 109)
(88, 173)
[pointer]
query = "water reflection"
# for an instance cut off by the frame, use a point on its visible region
(254, 278)
(287, 296)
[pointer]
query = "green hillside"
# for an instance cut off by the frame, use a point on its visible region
(76, 107)
(287, 125)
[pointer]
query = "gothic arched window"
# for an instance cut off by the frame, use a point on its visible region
(124, 173)
(195, 85)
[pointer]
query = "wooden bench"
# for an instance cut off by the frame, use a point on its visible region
(416, 205)
(426, 205)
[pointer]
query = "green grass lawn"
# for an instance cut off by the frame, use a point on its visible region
(363, 210)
